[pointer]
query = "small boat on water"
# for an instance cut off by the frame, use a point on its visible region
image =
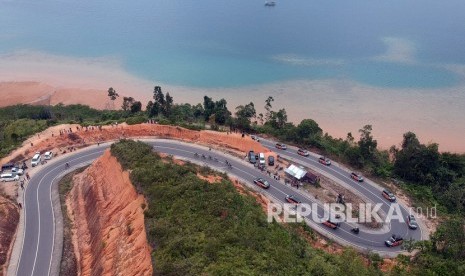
(270, 3)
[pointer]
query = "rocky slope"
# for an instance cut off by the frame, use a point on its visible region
(9, 218)
(107, 213)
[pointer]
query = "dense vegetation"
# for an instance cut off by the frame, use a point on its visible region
(198, 228)
(430, 177)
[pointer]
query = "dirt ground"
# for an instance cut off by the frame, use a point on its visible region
(65, 138)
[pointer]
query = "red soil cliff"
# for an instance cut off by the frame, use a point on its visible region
(9, 218)
(108, 220)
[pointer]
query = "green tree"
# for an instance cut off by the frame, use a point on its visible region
(222, 114)
(308, 131)
(261, 120)
(367, 144)
(281, 118)
(150, 109)
(198, 111)
(208, 106)
(159, 101)
(136, 107)
(449, 239)
(127, 103)
(268, 107)
(244, 114)
(168, 105)
(113, 95)
(416, 162)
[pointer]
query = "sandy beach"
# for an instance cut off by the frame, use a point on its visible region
(339, 106)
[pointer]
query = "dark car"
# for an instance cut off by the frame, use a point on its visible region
(293, 199)
(271, 160)
(325, 161)
(394, 241)
(252, 158)
(303, 152)
(330, 224)
(412, 222)
(356, 176)
(262, 183)
(281, 146)
(7, 166)
(389, 196)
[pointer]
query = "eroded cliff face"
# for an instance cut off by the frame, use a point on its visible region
(108, 221)
(9, 218)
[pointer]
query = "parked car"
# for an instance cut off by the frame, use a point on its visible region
(261, 159)
(389, 196)
(394, 241)
(412, 222)
(17, 171)
(281, 146)
(293, 199)
(7, 166)
(48, 155)
(356, 176)
(36, 159)
(262, 183)
(330, 224)
(271, 160)
(325, 161)
(255, 138)
(252, 158)
(303, 152)
(6, 177)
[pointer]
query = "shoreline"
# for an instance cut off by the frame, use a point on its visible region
(336, 114)
(339, 106)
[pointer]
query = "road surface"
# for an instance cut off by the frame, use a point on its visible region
(39, 234)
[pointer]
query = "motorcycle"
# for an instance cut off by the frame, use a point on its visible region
(355, 230)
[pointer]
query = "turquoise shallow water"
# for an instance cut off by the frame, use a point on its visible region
(219, 43)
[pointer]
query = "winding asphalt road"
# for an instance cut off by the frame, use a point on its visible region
(39, 234)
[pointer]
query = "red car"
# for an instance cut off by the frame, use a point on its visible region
(262, 183)
(389, 196)
(292, 199)
(394, 241)
(356, 176)
(303, 152)
(330, 224)
(325, 161)
(281, 146)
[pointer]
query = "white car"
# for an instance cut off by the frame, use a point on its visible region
(36, 159)
(48, 155)
(261, 159)
(17, 171)
(6, 177)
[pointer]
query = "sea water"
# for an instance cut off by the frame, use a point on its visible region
(234, 43)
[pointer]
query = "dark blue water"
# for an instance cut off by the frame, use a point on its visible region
(219, 43)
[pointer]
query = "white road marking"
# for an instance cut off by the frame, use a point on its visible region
(100, 152)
